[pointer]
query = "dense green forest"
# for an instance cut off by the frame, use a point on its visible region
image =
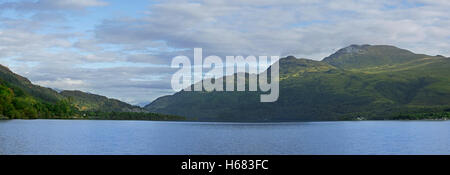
(20, 99)
(17, 104)
(359, 82)
(424, 116)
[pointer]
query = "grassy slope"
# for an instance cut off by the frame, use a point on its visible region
(337, 88)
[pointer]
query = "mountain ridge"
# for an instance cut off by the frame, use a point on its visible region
(359, 81)
(86, 101)
(359, 56)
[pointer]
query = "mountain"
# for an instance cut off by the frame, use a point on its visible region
(360, 56)
(19, 98)
(92, 102)
(356, 82)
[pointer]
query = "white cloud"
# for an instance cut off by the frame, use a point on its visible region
(311, 29)
(284, 27)
(77, 3)
(62, 83)
(46, 5)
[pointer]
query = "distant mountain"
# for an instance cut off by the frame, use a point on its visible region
(92, 102)
(360, 56)
(356, 82)
(19, 98)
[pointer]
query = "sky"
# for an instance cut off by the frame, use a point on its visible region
(123, 49)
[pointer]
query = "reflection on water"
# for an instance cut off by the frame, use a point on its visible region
(147, 137)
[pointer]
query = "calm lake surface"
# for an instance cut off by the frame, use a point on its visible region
(148, 137)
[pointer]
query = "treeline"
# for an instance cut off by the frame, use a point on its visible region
(445, 115)
(18, 104)
(98, 115)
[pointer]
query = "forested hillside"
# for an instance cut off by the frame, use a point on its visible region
(356, 83)
(20, 99)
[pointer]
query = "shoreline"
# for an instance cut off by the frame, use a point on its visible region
(248, 122)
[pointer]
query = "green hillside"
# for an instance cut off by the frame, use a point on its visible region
(92, 102)
(20, 99)
(38, 92)
(357, 82)
(21, 86)
(17, 103)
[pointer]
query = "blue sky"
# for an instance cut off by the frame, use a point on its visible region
(122, 49)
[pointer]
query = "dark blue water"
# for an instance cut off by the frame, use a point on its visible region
(146, 137)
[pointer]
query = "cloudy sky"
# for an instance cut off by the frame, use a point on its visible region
(122, 49)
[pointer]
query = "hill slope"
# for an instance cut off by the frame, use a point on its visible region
(360, 56)
(19, 98)
(359, 81)
(41, 93)
(92, 102)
